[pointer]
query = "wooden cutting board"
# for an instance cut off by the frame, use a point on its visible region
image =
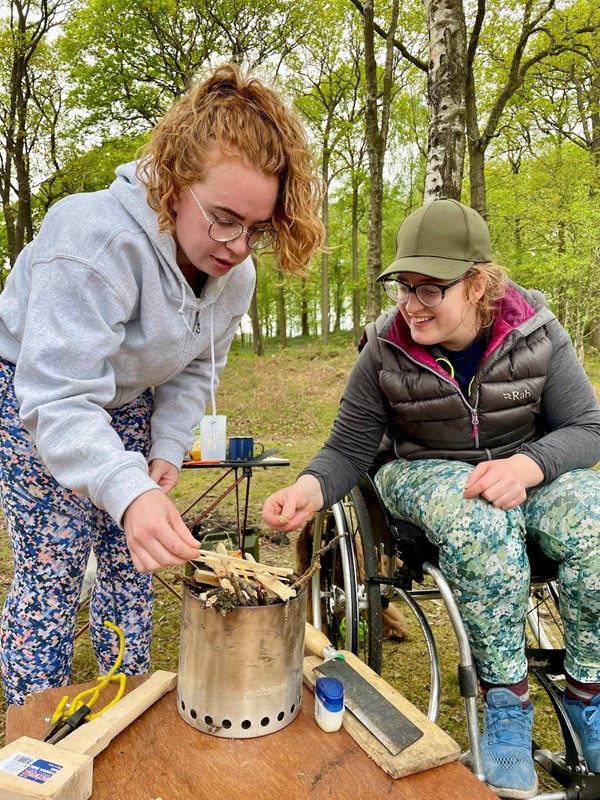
(433, 749)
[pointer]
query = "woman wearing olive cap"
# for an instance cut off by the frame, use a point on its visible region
(494, 426)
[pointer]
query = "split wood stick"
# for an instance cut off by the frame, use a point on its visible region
(223, 578)
(239, 570)
(208, 557)
(243, 574)
(206, 576)
(275, 586)
(237, 565)
(270, 581)
(220, 569)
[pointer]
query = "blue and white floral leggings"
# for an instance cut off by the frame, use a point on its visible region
(482, 556)
(51, 531)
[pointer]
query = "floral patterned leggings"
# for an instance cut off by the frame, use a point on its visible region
(482, 556)
(52, 531)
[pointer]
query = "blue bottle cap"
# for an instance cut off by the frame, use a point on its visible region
(330, 692)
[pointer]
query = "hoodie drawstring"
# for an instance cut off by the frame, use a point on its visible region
(213, 371)
(182, 305)
(213, 366)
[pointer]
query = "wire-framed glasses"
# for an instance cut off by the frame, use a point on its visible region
(226, 230)
(428, 294)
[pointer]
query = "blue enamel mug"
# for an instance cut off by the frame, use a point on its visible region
(242, 448)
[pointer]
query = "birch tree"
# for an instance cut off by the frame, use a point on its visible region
(477, 60)
(447, 81)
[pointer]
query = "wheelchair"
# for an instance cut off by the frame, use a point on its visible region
(378, 560)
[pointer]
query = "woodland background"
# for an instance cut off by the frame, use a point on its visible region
(493, 103)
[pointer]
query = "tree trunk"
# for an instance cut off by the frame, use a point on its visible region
(446, 88)
(356, 322)
(281, 316)
(257, 340)
(478, 199)
(325, 322)
(15, 179)
(476, 148)
(377, 125)
(594, 194)
(304, 324)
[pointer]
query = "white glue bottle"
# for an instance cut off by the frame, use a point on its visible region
(329, 703)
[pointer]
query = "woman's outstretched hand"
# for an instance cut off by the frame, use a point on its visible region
(289, 508)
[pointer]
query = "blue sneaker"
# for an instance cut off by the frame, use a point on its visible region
(586, 722)
(506, 746)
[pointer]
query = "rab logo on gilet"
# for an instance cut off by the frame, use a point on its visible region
(516, 395)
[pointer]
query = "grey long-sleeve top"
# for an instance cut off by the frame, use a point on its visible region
(570, 418)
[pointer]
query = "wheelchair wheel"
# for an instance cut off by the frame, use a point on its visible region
(345, 607)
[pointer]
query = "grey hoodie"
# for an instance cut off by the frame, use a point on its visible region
(94, 312)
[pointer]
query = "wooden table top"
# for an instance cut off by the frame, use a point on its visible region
(159, 756)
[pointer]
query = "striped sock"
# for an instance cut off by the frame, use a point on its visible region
(521, 689)
(584, 692)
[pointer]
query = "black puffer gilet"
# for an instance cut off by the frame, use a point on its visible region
(429, 415)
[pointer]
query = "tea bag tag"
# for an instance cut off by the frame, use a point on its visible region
(213, 437)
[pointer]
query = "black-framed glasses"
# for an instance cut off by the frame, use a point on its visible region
(428, 294)
(226, 230)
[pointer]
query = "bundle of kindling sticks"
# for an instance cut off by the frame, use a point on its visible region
(225, 581)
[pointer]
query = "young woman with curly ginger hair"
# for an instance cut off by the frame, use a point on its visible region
(114, 326)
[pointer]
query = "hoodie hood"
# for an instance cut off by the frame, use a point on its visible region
(131, 193)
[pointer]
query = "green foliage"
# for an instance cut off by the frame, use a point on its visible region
(546, 230)
(130, 60)
(98, 85)
(89, 171)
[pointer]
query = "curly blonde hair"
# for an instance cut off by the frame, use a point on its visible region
(244, 119)
(493, 278)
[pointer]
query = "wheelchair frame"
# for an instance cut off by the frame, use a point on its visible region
(347, 597)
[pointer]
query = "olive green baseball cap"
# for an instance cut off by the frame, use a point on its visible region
(442, 239)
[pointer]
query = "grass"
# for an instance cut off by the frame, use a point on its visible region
(288, 399)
